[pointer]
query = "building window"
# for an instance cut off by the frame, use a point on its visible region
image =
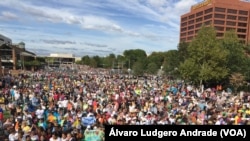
(183, 34)
(219, 22)
(183, 39)
(199, 14)
(242, 24)
(218, 9)
(209, 10)
(208, 17)
(184, 19)
(219, 34)
(241, 30)
(230, 17)
(190, 38)
(190, 32)
(242, 41)
(220, 16)
(230, 29)
(199, 19)
(184, 24)
(219, 28)
(191, 16)
(233, 11)
(191, 22)
(231, 23)
(208, 22)
(196, 31)
(242, 36)
(198, 25)
(191, 27)
(243, 12)
(183, 29)
(242, 18)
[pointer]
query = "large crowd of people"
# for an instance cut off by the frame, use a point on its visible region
(69, 105)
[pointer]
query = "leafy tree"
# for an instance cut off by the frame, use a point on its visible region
(154, 62)
(109, 60)
(92, 63)
(86, 60)
(135, 55)
(97, 60)
(171, 62)
(138, 68)
(120, 58)
(182, 51)
(32, 63)
(157, 58)
(235, 49)
(247, 49)
(207, 58)
(246, 69)
(41, 59)
(152, 68)
(237, 80)
(50, 59)
(79, 62)
(112, 56)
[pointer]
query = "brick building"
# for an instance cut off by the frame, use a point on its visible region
(14, 57)
(222, 14)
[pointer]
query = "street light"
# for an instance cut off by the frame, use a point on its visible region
(161, 70)
(129, 70)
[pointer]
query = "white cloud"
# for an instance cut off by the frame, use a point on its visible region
(8, 15)
(64, 16)
(157, 3)
(94, 22)
(100, 15)
(164, 11)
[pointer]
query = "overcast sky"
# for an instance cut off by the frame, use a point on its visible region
(93, 27)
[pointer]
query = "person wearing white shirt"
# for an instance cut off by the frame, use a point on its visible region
(64, 103)
(13, 136)
(16, 95)
(39, 112)
(218, 122)
(55, 137)
(60, 104)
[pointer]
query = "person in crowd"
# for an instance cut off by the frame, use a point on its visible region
(65, 105)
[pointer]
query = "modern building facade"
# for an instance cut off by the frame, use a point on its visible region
(223, 15)
(55, 59)
(5, 40)
(15, 57)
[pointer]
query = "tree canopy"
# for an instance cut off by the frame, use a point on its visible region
(205, 59)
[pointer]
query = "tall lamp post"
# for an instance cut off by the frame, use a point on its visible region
(161, 71)
(129, 70)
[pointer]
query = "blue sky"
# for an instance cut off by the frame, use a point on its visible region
(93, 27)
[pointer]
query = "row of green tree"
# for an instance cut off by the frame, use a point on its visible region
(206, 59)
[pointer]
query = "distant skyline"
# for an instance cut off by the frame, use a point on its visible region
(93, 27)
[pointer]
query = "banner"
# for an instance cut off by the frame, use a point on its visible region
(88, 121)
(177, 132)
